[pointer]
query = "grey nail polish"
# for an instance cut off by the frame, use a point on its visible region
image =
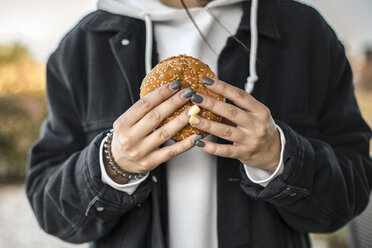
(208, 81)
(175, 85)
(196, 98)
(197, 138)
(200, 143)
(187, 93)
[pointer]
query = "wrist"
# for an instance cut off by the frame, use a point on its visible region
(273, 165)
(269, 158)
(112, 173)
(113, 170)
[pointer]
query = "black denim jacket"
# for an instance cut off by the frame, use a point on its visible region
(306, 82)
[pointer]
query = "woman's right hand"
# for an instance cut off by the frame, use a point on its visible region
(135, 146)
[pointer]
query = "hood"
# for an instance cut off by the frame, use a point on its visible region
(155, 10)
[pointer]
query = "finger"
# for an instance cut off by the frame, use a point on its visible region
(164, 154)
(223, 131)
(156, 116)
(163, 133)
(235, 94)
(229, 111)
(147, 103)
(222, 150)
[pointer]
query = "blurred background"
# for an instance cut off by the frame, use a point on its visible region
(31, 30)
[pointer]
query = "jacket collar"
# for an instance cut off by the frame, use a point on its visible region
(102, 21)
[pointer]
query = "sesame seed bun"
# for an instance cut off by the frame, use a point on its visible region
(190, 72)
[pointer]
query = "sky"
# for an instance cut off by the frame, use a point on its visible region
(40, 24)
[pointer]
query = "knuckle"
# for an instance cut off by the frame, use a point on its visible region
(163, 134)
(163, 91)
(213, 149)
(145, 103)
(155, 115)
(115, 125)
(261, 131)
(222, 87)
(185, 147)
(206, 125)
(181, 120)
(227, 132)
(175, 100)
(232, 111)
(171, 153)
(212, 105)
(266, 113)
(124, 142)
(230, 153)
(240, 93)
(135, 154)
(145, 164)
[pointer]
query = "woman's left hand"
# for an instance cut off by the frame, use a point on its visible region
(256, 140)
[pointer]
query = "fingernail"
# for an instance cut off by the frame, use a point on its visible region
(196, 98)
(175, 85)
(208, 81)
(197, 138)
(187, 93)
(200, 143)
(194, 120)
(194, 110)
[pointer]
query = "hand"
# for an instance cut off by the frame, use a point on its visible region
(135, 146)
(256, 141)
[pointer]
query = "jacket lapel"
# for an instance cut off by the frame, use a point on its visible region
(128, 48)
(127, 44)
(131, 66)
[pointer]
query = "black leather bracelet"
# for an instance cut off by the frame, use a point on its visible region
(112, 163)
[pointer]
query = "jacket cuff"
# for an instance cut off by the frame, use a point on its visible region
(295, 181)
(128, 188)
(104, 201)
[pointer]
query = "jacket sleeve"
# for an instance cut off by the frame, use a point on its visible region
(64, 183)
(327, 179)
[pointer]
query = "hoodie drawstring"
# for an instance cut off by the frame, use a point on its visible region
(251, 80)
(249, 86)
(148, 48)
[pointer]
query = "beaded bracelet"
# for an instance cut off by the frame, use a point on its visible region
(112, 163)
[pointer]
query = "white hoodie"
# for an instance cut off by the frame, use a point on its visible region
(191, 176)
(155, 10)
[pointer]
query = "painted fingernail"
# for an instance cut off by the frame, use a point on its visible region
(208, 81)
(194, 110)
(187, 93)
(196, 98)
(194, 120)
(175, 85)
(197, 138)
(199, 143)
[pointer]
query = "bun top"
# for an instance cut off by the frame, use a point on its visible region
(190, 72)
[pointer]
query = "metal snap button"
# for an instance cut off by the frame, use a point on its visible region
(100, 209)
(154, 179)
(125, 42)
